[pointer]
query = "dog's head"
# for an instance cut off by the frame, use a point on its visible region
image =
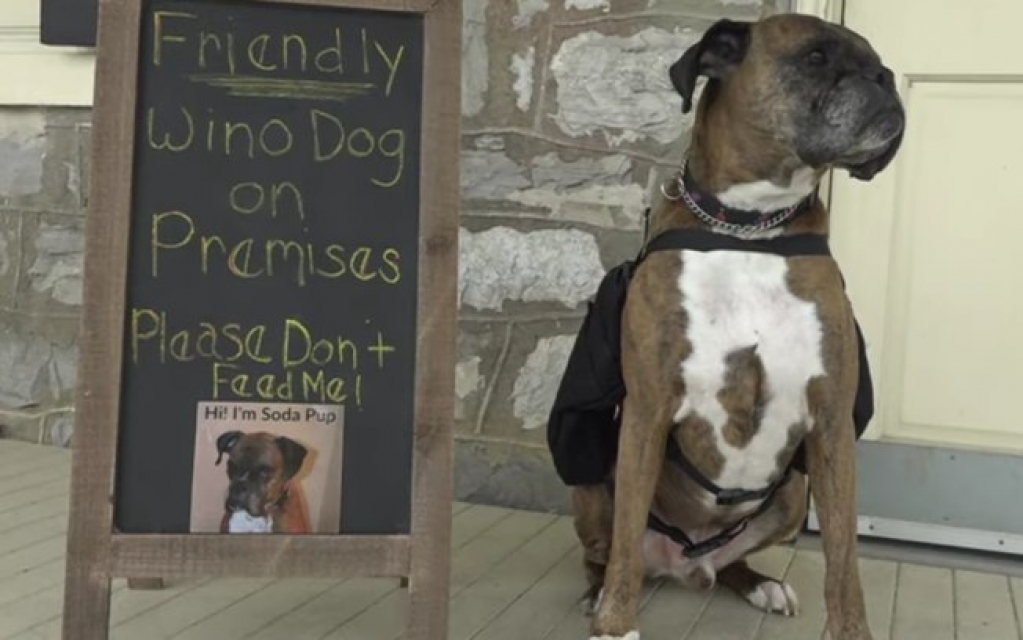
(260, 467)
(817, 88)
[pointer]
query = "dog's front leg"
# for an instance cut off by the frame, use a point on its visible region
(831, 462)
(640, 456)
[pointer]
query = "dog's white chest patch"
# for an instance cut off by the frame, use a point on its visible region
(242, 522)
(735, 301)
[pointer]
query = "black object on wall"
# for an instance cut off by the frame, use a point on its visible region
(68, 22)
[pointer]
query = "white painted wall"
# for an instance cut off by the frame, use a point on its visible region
(33, 74)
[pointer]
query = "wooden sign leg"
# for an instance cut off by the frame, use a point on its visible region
(432, 489)
(87, 576)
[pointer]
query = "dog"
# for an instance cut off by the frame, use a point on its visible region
(740, 367)
(263, 493)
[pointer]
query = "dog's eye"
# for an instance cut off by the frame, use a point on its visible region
(816, 58)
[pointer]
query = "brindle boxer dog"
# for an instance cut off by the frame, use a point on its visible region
(741, 357)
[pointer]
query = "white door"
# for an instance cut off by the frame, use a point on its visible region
(932, 250)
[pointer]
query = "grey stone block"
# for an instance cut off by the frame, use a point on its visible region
(479, 349)
(58, 428)
(52, 264)
(40, 167)
(503, 264)
(609, 85)
(475, 58)
(26, 427)
(507, 475)
(10, 256)
(525, 387)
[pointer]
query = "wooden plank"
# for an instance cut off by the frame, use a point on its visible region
(40, 474)
(437, 325)
(473, 561)
(729, 616)
(215, 555)
(126, 604)
(353, 598)
(31, 557)
(244, 618)
(879, 578)
(20, 616)
(318, 617)
(14, 453)
(29, 513)
(13, 540)
(984, 607)
(185, 610)
(87, 586)
(924, 604)
(475, 607)
(33, 495)
(31, 581)
(539, 610)
(26, 463)
(575, 620)
(472, 522)
(806, 577)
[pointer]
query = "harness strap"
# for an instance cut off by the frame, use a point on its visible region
(725, 497)
(692, 549)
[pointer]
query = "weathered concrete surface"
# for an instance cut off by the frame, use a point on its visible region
(569, 123)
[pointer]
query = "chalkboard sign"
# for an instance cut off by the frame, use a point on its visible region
(269, 327)
(274, 249)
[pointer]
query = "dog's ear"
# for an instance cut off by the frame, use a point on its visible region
(718, 52)
(871, 168)
(294, 455)
(226, 442)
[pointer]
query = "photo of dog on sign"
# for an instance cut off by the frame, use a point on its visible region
(267, 468)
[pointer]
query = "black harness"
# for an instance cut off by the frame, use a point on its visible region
(585, 420)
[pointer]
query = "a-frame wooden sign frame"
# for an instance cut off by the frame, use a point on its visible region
(267, 172)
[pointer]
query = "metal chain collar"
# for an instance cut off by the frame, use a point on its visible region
(733, 228)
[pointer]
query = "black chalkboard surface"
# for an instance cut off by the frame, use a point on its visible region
(273, 253)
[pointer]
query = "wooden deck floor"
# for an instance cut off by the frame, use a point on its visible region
(516, 575)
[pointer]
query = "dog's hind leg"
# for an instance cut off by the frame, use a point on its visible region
(780, 522)
(593, 510)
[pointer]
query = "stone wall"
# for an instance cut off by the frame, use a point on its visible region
(569, 122)
(44, 157)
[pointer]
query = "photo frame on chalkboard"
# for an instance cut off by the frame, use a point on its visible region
(259, 322)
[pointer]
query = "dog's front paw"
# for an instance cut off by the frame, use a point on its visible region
(591, 601)
(856, 632)
(774, 597)
(632, 635)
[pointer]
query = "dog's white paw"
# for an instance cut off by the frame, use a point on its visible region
(632, 635)
(775, 597)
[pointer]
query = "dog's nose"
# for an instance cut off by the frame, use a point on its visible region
(884, 77)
